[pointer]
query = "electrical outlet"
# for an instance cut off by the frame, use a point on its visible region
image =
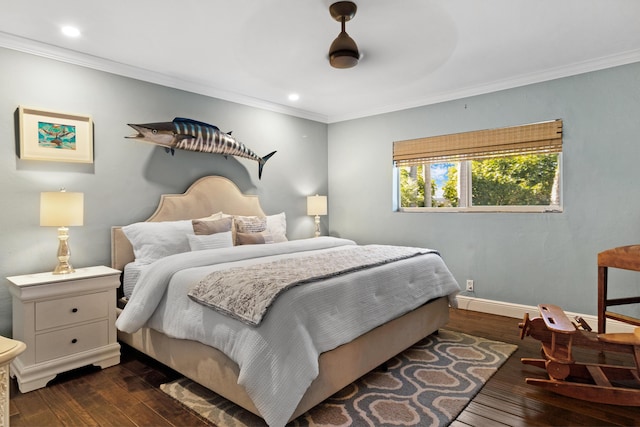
(469, 285)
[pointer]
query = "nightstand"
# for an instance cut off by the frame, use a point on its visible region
(9, 349)
(67, 321)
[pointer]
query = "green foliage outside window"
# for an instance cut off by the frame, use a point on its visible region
(450, 188)
(524, 180)
(412, 187)
(514, 181)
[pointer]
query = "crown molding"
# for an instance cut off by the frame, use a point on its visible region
(44, 50)
(574, 69)
(77, 58)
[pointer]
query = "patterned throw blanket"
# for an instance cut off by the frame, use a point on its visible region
(246, 293)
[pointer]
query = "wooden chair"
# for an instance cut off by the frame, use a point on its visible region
(626, 258)
(615, 385)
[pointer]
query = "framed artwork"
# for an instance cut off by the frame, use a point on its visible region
(55, 137)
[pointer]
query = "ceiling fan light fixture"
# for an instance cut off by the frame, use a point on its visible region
(343, 52)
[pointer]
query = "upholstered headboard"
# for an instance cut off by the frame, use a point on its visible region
(205, 197)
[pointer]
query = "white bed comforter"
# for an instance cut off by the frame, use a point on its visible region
(279, 359)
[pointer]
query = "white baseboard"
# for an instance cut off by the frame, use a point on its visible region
(518, 310)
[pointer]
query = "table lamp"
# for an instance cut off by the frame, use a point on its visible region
(62, 209)
(317, 205)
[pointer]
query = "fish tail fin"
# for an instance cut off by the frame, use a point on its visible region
(262, 161)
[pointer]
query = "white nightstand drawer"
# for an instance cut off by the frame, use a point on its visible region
(67, 311)
(71, 340)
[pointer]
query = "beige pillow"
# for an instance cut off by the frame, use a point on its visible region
(250, 224)
(276, 226)
(253, 238)
(202, 227)
(214, 216)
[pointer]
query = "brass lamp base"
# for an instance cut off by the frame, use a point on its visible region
(64, 268)
(64, 253)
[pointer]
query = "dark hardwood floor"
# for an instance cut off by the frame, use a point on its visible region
(507, 400)
(128, 394)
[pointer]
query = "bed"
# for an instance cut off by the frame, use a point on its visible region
(362, 341)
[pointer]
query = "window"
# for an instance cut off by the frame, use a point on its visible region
(508, 169)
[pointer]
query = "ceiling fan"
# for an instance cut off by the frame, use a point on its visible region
(343, 52)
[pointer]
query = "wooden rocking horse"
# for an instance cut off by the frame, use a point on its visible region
(611, 384)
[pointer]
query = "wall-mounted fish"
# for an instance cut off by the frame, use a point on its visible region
(192, 135)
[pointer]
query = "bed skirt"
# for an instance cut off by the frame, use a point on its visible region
(338, 367)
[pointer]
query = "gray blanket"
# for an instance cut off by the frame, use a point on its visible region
(246, 293)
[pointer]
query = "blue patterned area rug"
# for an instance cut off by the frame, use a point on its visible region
(428, 384)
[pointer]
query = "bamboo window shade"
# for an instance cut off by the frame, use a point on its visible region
(536, 138)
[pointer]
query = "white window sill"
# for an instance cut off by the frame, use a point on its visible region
(485, 209)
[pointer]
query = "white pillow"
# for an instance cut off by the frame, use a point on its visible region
(277, 227)
(210, 241)
(154, 240)
(132, 272)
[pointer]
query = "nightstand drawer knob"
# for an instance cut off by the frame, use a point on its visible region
(73, 341)
(74, 310)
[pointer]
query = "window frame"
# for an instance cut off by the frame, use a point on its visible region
(465, 193)
(541, 137)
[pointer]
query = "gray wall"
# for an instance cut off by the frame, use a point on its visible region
(524, 258)
(519, 258)
(124, 183)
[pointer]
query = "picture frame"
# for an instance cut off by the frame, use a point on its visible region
(55, 137)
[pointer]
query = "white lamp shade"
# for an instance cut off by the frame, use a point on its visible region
(316, 205)
(61, 209)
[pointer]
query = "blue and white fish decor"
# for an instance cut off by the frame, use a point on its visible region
(192, 135)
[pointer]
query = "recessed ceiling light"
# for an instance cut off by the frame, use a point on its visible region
(294, 97)
(70, 31)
